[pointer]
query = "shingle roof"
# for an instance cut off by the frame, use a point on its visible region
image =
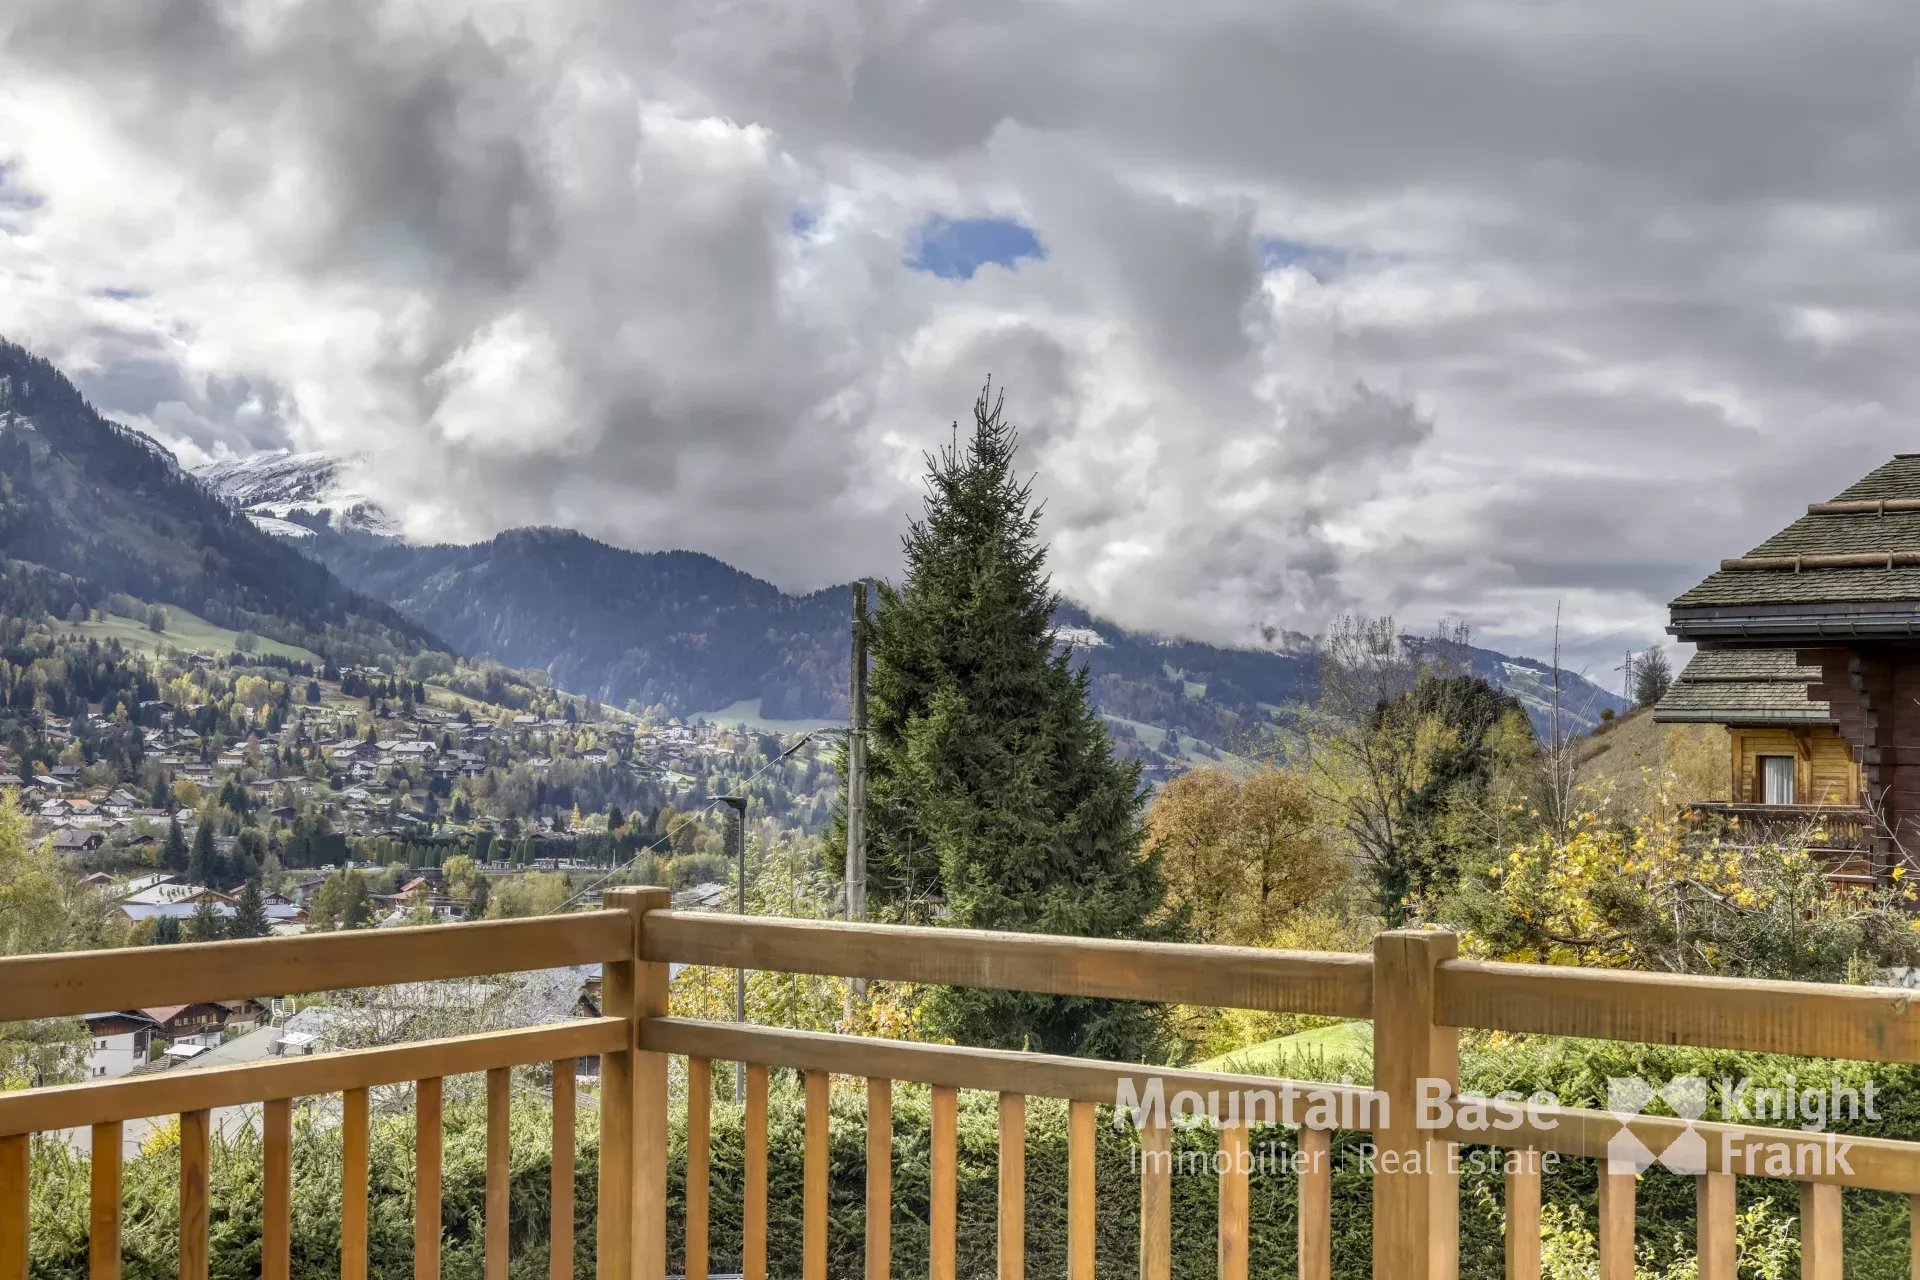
(1831, 534)
(1743, 686)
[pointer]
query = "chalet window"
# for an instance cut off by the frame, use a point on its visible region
(1776, 780)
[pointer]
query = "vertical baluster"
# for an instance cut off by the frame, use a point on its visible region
(1316, 1204)
(879, 1179)
(103, 1212)
(650, 1104)
(1156, 1201)
(560, 1230)
(1715, 1216)
(427, 1099)
(14, 1152)
(754, 1244)
(1523, 1215)
(613, 1212)
(276, 1189)
(699, 1130)
(1080, 1190)
(353, 1185)
(1616, 1221)
(1013, 1186)
(499, 1169)
(1233, 1202)
(813, 1243)
(943, 1185)
(193, 1195)
(1913, 1237)
(1820, 1238)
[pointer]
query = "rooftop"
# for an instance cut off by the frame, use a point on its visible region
(1874, 524)
(1744, 686)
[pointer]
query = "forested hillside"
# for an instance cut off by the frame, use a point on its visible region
(88, 508)
(673, 629)
(687, 633)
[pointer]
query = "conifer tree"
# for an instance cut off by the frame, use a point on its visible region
(203, 862)
(993, 793)
(174, 855)
(206, 924)
(356, 909)
(249, 913)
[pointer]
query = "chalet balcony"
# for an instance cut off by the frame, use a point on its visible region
(1412, 986)
(1826, 829)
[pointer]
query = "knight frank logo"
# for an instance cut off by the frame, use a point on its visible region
(1705, 1143)
(1628, 1096)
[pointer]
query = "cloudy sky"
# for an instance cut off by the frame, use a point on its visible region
(1473, 307)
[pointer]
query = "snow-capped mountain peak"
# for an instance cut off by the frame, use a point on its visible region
(294, 494)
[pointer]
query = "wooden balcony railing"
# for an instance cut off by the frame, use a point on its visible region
(1835, 828)
(1413, 987)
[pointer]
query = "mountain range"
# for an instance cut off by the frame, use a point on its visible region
(90, 508)
(689, 634)
(286, 545)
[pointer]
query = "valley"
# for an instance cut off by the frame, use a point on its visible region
(677, 632)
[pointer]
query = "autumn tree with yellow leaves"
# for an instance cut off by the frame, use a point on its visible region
(1662, 892)
(1240, 855)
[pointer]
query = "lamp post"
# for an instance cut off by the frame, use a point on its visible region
(737, 836)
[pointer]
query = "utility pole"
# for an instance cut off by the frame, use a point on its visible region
(737, 837)
(857, 762)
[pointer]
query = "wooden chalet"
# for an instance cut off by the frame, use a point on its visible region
(1809, 654)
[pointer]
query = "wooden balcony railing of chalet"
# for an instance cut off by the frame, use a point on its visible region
(1839, 828)
(1413, 987)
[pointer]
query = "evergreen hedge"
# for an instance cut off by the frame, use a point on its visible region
(1876, 1225)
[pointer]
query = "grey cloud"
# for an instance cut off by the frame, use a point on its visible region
(1622, 285)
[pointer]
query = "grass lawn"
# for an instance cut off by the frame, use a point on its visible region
(184, 631)
(747, 712)
(1153, 736)
(1296, 1056)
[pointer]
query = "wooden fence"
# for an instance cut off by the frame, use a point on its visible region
(1413, 987)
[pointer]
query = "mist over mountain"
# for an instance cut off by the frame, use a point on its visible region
(90, 507)
(293, 494)
(690, 634)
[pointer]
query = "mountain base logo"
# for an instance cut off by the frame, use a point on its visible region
(1727, 1126)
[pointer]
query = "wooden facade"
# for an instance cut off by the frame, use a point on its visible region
(1824, 770)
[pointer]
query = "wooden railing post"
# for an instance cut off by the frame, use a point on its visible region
(1416, 1193)
(633, 1148)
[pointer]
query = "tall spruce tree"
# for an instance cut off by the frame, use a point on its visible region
(249, 914)
(203, 863)
(994, 800)
(174, 855)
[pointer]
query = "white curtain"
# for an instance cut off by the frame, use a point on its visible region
(1777, 776)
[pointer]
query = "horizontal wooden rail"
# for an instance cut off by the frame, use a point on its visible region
(173, 1092)
(46, 986)
(1870, 1164)
(1808, 1019)
(1328, 984)
(1877, 1164)
(1036, 1075)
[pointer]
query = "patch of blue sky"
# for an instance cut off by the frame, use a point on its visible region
(1321, 261)
(954, 248)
